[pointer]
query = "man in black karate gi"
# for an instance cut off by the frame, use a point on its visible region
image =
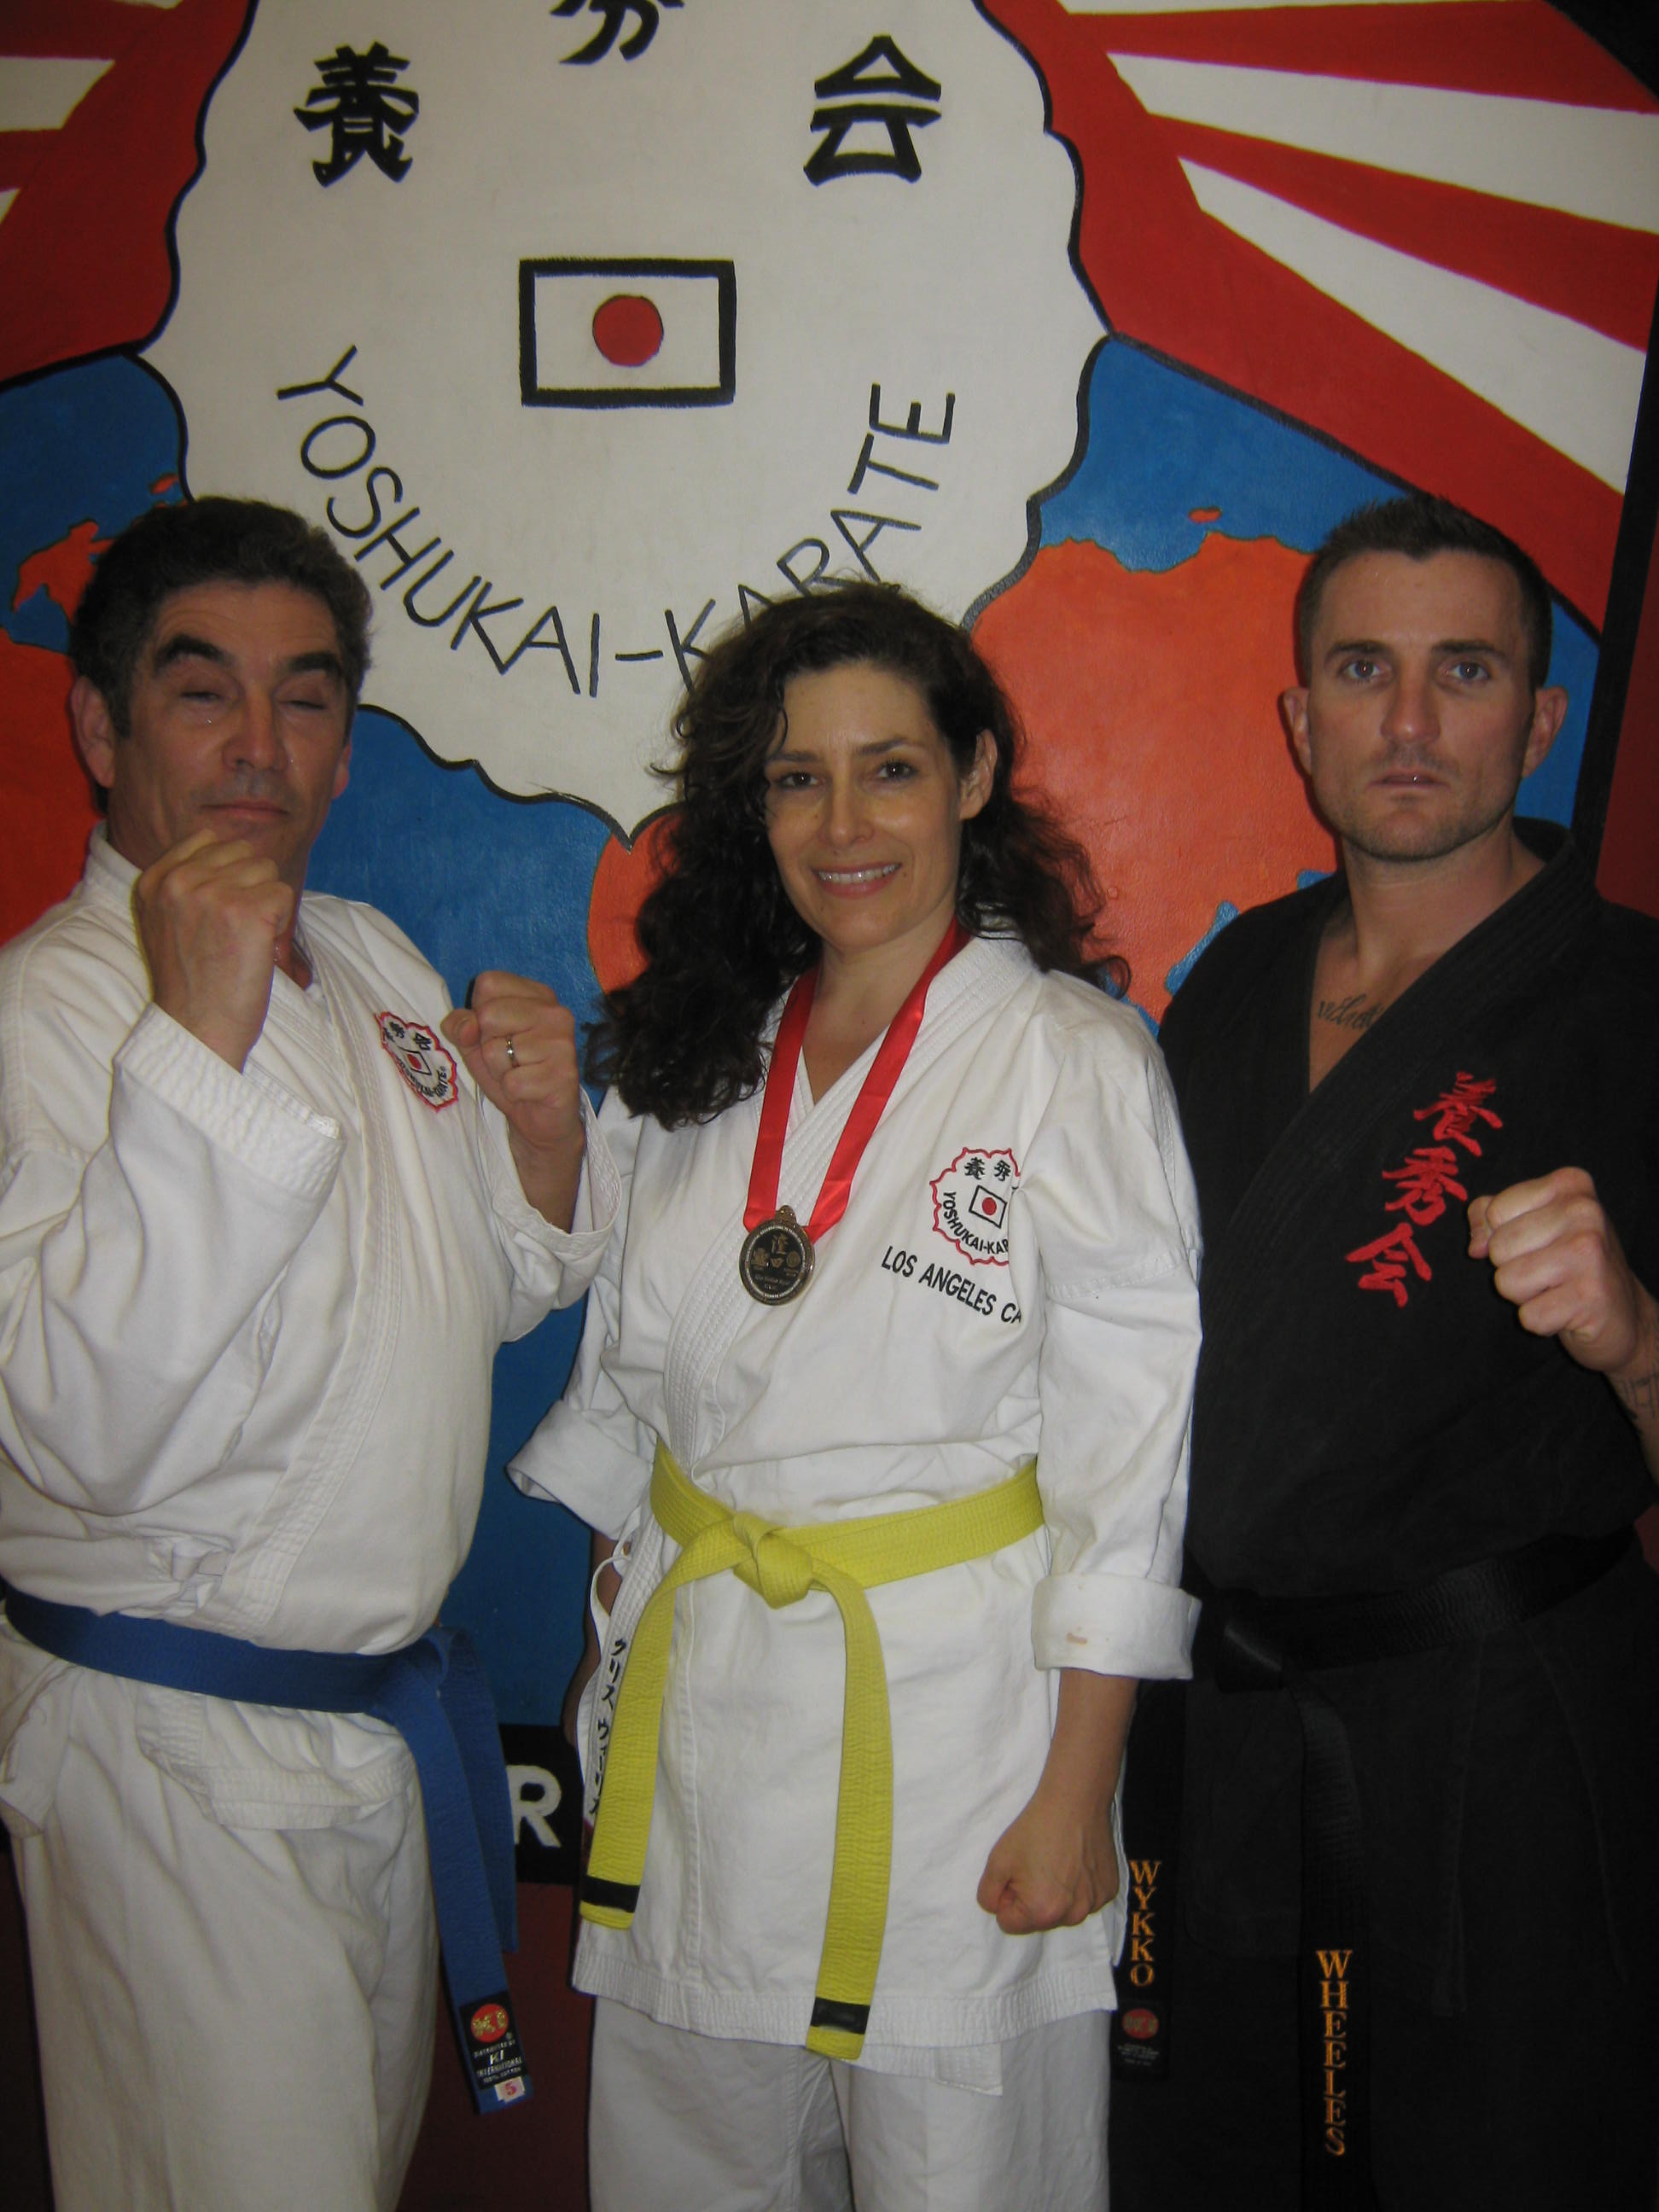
(1413, 1964)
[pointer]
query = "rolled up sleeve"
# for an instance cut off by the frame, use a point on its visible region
(1108, 1195)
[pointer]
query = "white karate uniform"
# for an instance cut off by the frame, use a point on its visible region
(246, 1323)
(1015, 1275)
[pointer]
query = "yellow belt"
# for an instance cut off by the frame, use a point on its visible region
(845, 1559)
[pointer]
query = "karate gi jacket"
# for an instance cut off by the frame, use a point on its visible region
(246, 1324)
(1014, 1277)
(1370, 1413)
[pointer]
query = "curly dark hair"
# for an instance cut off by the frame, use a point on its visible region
(720, 939)
(207, 541)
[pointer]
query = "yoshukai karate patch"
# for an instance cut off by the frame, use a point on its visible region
(970, 1204)
(425, 1065)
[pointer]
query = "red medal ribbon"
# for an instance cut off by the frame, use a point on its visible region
(868, 1109)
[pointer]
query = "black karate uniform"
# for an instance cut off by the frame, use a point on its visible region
(1369, 1415)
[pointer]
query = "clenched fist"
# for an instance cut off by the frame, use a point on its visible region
(1057, 1862)
(215, 921)
(519, 1047)
(1557, 1258)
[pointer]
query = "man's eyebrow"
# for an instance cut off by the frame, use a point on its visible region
(183, 646)
(308, 663)
(1379, 649)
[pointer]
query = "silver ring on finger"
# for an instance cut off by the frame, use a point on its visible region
(512, 1056)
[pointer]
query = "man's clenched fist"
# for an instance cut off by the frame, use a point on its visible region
(519, 1047)
(215, 921)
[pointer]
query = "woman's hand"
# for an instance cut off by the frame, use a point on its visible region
(1057, 1862)
(1054, 1867)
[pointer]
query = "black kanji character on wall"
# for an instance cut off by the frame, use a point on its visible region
(908, 102)
(614, 15)
(363, 109)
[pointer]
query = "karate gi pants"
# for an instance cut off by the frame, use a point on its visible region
(229, 2017)
(687, 2123)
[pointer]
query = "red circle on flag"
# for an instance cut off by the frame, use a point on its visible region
(627, 330)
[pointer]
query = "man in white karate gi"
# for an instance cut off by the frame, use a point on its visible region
(259, 1239)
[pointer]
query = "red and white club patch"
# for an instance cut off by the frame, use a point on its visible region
(970, 1204)
(426, 1064)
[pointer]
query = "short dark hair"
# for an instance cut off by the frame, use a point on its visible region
(1420, 525)
(721, 940)
(207, 541)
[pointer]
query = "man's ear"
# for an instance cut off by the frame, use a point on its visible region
(1549, 711)
(1294, 712)
(94, 729)
(343, 768)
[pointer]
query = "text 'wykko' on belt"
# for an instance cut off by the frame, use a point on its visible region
(436, 1695)
(845, 1558)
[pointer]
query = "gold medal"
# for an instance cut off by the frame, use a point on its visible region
(775, 1262)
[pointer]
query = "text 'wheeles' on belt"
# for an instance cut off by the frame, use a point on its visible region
(1252, 1643)
(844, 1559)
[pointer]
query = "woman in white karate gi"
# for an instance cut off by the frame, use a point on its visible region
(906, 1209)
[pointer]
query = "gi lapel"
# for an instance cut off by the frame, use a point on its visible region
(1380, 1076)
(329, 1449)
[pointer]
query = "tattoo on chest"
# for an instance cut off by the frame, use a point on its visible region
(1353, 1012)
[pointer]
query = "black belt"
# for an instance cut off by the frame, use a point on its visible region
(1250, 1642)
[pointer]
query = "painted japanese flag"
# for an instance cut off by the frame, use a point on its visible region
(651, 333)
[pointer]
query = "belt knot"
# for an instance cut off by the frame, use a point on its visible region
(776, 1567)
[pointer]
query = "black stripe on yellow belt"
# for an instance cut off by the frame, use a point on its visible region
(782, 1563)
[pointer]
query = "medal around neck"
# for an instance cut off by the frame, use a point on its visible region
(776, 1260)
(776, 1263)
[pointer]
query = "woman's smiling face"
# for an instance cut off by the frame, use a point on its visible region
(864, 808)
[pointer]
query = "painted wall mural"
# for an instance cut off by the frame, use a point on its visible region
(584, 327)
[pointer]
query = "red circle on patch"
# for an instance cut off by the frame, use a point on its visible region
(1140, 2024)
(627, 330)
(489, 2023)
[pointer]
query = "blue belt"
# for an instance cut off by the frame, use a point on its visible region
(436, 1695)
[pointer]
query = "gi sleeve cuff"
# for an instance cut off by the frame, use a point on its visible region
(270, 1131)
(1114, 1624)
(598, 1197)
(575, 1463)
